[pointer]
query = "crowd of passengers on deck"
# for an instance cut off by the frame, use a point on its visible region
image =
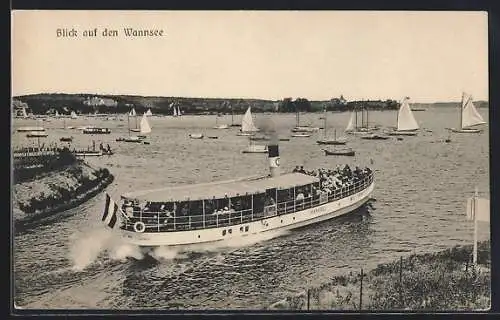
(329, 181)
(334, 179)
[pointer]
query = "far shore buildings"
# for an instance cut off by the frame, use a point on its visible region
(97, 101)
(19, 109)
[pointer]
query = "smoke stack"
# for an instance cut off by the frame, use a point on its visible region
(274, 158)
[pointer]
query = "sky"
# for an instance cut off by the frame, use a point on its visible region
(318, 55)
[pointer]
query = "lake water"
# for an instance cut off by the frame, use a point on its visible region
(421, 188)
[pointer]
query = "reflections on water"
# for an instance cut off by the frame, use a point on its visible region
(420, 188)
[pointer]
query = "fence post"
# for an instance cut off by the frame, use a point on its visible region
(401, 282)
(361, 291)
(308, 298)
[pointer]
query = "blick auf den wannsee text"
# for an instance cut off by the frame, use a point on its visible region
(109, 33)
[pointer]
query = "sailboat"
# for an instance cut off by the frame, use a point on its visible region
(145, 127)
(255, 148)
(232, 119)
(132, 113)
(248, 128)
(299, 128)
(330, 141)
(353, 127)
(220, 126)
(469, 117)
(407, 125)
(73, 115)
(149, 113)
(57, 114)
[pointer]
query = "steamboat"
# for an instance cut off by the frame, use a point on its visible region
(229, 210)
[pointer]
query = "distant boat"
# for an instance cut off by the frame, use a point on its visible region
(57, 114)
(145, 128)
(469, 117)
(418, 109)
(261, 138)
(135, 139)
(255, 148)
(284, 139)
(149, 113)
(299, 128)
(330, 141)
(219, 126)
(132, 113)
(37, 134)
(95, 130)
(66, 139)
(301, 135)
(213, 137)
(407, 125)
(375, 136)
(340, 152)
(196, 135)
(354, 128)
(26, 129)
(73, 115)
(232, 119)
(248, 128)
(88, 153)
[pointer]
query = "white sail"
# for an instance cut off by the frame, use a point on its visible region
(247, 124)
(25, 114)
(470, 116)
(145, 127)
(406, 120)
(57, 114)
(175, 112)
(350, 124)
(132, 112)
(149, 113)
(179, 111)
(73, 115)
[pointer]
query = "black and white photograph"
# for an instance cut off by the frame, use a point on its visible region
(293, 161)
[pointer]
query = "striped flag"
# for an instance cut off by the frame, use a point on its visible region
(109, 217)
(478, 208)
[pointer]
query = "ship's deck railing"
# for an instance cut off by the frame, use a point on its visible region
(160, 222)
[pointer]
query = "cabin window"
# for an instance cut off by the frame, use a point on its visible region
(258, 203)
(246, 228)
(270, 198)
(285, 195)
(224, 232)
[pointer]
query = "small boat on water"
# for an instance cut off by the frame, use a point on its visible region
(95, 130)
(30, 129)
(259, 138)
(284, 139)
(196, 135)
(418, 109)
(213, 137)
(407, 125)
(37, 134)
(227, 211)
(340, 152)
(329, 141)
(374, 136)
(301, 135)
(469, 117)
(66, 139)
(248, 127)
(302, 129)
(255, 148)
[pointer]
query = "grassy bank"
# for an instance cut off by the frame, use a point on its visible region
(445, 281)
(61, 189)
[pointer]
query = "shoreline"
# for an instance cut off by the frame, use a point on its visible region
(59, 205)
(440, 281)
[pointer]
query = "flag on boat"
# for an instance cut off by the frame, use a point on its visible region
(110, 217)
(479, 209)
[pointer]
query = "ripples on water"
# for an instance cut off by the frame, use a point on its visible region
(421, 185)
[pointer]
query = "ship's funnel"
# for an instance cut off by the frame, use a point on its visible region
(274, 159)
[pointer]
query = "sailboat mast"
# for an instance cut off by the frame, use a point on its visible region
(324, 126)
(128, 123)
(356, 117)
(367, 123)
(461, 106)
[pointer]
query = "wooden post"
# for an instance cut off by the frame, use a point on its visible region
(361, 291)
(401, 282)
(308, 298)
(474, 206)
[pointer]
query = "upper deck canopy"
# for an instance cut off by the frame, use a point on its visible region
(221, 189)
